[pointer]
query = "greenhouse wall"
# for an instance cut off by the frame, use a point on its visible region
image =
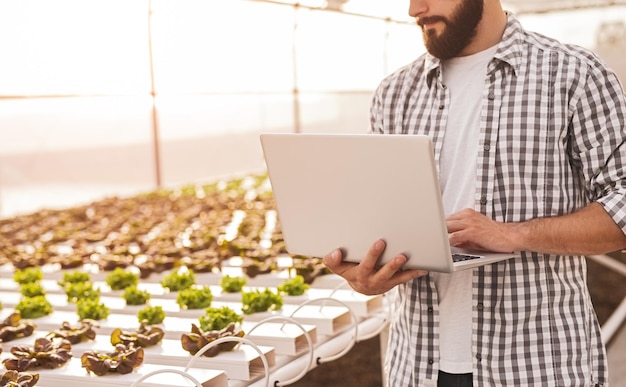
(116, 97)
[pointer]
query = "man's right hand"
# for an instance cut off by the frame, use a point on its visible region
(366, 277)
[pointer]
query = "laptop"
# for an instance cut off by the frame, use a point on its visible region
(348, 190)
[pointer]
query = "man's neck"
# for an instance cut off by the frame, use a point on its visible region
(490, 29)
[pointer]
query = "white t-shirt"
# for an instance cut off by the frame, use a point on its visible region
(465, 79)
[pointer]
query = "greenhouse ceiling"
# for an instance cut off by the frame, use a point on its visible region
(543, 6)
(398, 9)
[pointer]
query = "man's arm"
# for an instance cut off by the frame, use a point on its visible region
(585, 232)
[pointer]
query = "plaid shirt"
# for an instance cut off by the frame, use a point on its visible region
(552, 129)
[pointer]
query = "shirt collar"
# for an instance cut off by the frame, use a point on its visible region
(509, 51)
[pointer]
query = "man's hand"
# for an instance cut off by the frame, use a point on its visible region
(588, 231)
(472, 230)
(366, 277)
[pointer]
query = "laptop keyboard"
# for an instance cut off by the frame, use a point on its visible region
(458, 257)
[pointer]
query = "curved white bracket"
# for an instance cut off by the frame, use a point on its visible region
(225, 340)
(384, 321)
(308, 339)
(354, 322)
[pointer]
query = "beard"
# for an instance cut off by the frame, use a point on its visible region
(458, 30)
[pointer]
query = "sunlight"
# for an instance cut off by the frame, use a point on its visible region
(100, 47)
(75, 83)
(73, 47)
(205, 46)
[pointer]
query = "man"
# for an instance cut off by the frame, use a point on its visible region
(528, 134)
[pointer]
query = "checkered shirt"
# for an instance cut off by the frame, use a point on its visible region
(551, 141)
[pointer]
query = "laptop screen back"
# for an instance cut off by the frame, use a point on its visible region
(348, 190)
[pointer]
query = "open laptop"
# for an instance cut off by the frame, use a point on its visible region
(348, 190)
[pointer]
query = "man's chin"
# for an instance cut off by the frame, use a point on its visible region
(440, 53)
(433, 28)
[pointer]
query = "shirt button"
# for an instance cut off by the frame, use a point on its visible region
(480, 306)
(491, 96)
(486, 147)
(478, 357)
(430, 310)
(430, 361)
(441, 107)
(483, 200)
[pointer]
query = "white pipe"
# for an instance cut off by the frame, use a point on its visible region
(613, 324)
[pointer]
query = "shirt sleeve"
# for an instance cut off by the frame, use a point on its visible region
(598, 136)
(376, 121)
